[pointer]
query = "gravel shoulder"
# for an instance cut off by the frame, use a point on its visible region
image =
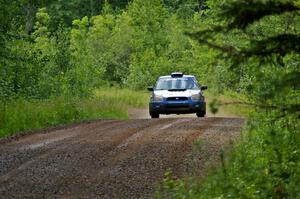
(109, 158)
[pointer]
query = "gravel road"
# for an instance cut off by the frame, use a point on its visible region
(109, 158)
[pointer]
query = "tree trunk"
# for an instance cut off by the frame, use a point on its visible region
(29, 17)
(92, 7)
(201, 5)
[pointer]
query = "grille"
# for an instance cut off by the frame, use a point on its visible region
(177, 106)
(177, 98)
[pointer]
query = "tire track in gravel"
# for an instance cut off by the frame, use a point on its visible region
(56, 139)
(110, 159)
(35, 146)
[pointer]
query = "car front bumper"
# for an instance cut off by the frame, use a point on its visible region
(177, 107)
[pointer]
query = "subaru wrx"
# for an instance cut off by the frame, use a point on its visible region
(177, 94)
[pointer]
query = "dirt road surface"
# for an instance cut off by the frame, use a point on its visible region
(111, 159)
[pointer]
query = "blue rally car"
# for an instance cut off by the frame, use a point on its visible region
(177, 94)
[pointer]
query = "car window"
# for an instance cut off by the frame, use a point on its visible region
(176, 83)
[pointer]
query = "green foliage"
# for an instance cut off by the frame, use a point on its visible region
(23, 115)
(87, 68)
(244, 32)
(110, 103)
(263, 164)
(258, 47)
(155, 43)
(214, 106)
(130, 47)
(126, 96)
(268, 168)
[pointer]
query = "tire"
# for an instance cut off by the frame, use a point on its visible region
(154, 115)
(201, 114)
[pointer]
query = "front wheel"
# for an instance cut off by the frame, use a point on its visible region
(201, 114)
(154, 115)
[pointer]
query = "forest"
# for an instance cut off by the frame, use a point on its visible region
(61, 60)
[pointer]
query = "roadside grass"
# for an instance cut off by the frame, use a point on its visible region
(23, 115)
(228, 104)
(137, 99)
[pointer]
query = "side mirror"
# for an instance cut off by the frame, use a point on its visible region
(150, 88)
(204, 87)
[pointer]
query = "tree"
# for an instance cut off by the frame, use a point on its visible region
(256, 49)
(259, 43)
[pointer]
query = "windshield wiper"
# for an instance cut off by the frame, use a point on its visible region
(177, 89)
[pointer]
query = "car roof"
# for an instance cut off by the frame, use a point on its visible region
(169, 76)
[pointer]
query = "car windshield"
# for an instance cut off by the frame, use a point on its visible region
(176, 84)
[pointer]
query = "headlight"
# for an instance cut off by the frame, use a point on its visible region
(197, 97)
(157, 98)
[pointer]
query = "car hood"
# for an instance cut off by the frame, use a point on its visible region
(166, 93)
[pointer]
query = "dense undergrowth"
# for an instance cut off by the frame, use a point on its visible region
(264, 163)
(109, 103)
